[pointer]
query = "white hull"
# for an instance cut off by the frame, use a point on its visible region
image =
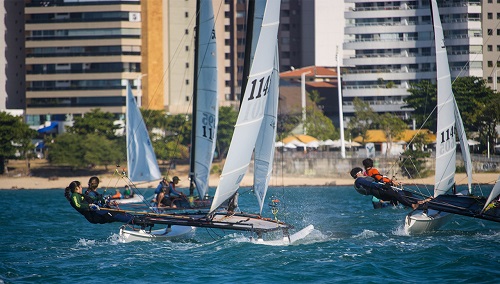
(156, 235)
(287, 240)
(419, 222)
(136, 199)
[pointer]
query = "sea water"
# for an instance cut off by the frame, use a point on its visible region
(44, 240)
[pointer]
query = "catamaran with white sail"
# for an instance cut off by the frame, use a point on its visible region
(446, 200)
(255, 129)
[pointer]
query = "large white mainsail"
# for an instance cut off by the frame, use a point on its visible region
(445, 134)
(449, 125)
(264, 148)
(141, 158)
(205, 105)
(253, 105)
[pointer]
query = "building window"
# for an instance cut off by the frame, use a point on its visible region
(187, 47)
(490, 16)
(490, 32)
(498, 47)
(186, 14)
(187, 64)
(186, 31)
(498, 16)
(490, 63)
(490, 48)
(490, 80)
(187, 81)
(498, 30)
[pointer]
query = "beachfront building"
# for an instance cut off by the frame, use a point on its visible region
(79, 56)
(393, 44)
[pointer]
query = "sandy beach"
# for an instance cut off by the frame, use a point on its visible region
(110, 181)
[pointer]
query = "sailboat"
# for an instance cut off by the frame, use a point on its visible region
(204, 124)
(255, 129)
(141, 159)
(449, 126)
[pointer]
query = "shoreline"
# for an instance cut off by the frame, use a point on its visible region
(110, 181)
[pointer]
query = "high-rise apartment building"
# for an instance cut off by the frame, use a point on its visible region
(394, 47)
(12, 53)
(79, 56)
(311, 33)
(491, 42)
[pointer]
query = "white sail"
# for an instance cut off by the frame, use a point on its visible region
(464, 146)
(141, 158)
(206, 99)
(445, 134)
(493, 194)
(252, 107)
(264, 148)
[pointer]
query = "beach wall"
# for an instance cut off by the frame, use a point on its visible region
(311, 165)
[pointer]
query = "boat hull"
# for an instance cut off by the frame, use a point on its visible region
(136, 199)
(174, 232)
(419, 222)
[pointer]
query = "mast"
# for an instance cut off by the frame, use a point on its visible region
(341, 112)
(195, 99)
(248, 48)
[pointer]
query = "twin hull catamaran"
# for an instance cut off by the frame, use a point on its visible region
(255, 129)
(446, 202)
(449, 125)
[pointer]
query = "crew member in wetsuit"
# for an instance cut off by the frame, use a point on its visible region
(367, 185)
(374, 173)
(85, 206)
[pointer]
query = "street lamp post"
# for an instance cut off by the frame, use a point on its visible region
(341, 113)
(303, 96)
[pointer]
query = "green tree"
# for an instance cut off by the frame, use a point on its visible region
(67, 149)
(319, 126)
(423, 99)
(471, 93)
(107, 153)
(15, 135)
(392, 126)
(227, 120)
(364, 118)
(286, 123)
(95, 122)
(315, 97)
(413, 158)
(488, 117)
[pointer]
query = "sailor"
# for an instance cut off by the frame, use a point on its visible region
(374, 173)
(128, 193)
(367, 185)
(85, 206)
(117, 195)
(92, 191)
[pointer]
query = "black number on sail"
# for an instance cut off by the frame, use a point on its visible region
(208, 122)
(448, 134)
(263, 89)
